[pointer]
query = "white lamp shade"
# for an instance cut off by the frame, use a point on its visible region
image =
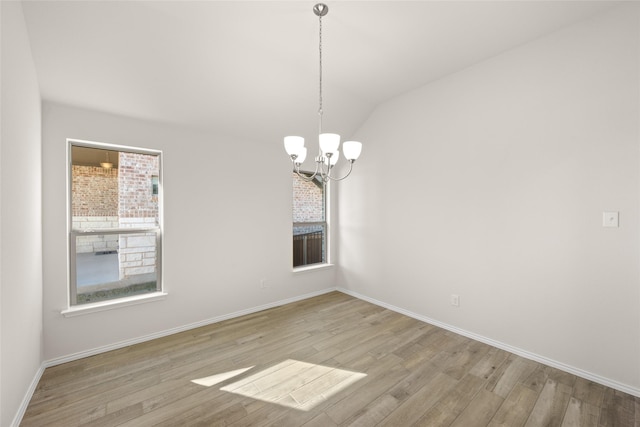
(334, 158)
(302, 155)
(329, 142)
(352, 149)
(293, 145)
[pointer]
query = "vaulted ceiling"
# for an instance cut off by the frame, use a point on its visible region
(251, 68)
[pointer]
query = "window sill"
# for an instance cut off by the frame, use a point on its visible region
(313, 267)
(111, 305)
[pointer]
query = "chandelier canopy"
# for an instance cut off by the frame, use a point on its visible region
(329, 143)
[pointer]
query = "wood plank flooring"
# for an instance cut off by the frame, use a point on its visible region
(327, 361)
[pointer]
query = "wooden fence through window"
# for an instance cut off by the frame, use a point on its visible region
(307, 248)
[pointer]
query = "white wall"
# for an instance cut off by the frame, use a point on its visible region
(491, 183)
(20, 216)
(227, 218)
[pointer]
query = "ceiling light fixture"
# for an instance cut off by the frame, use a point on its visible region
(107, 164)
(329, 142)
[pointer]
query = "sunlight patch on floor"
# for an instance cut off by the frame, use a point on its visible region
(294, 384)
(218, 378)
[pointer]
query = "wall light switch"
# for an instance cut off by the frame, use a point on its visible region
(610, 219)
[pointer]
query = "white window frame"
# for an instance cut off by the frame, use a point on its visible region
(73, 308)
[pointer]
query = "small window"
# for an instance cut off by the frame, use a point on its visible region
(115, 234)
(154, 185)
(309, 221)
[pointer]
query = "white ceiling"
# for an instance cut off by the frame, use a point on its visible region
(251, 68)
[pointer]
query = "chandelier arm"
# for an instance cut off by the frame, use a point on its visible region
(325, 174)
(302, 175)
(348, 173)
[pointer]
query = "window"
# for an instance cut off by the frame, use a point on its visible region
(115, 237)
(309, 221)
(154, 185)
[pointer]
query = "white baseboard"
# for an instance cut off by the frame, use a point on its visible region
(27, 397)
(515, 350)
(91, 352)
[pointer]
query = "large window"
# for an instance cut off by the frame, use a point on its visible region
(309, 222)
(115, 237)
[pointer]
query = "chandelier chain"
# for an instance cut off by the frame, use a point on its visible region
(320, 73)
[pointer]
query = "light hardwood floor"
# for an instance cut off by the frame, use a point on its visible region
(326, 361)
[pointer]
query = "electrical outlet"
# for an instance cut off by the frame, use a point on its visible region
(263, 283)
(455, 300)
(610, 219)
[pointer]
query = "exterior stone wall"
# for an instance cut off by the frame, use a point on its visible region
(136, 199)
(95, 191)
(307, 197)
(138, 252)
(138, 208)
(94, 206)
(92, 244)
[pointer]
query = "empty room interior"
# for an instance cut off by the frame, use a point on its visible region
(169, 257)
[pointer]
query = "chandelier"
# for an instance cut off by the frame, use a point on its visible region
(329, 142)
